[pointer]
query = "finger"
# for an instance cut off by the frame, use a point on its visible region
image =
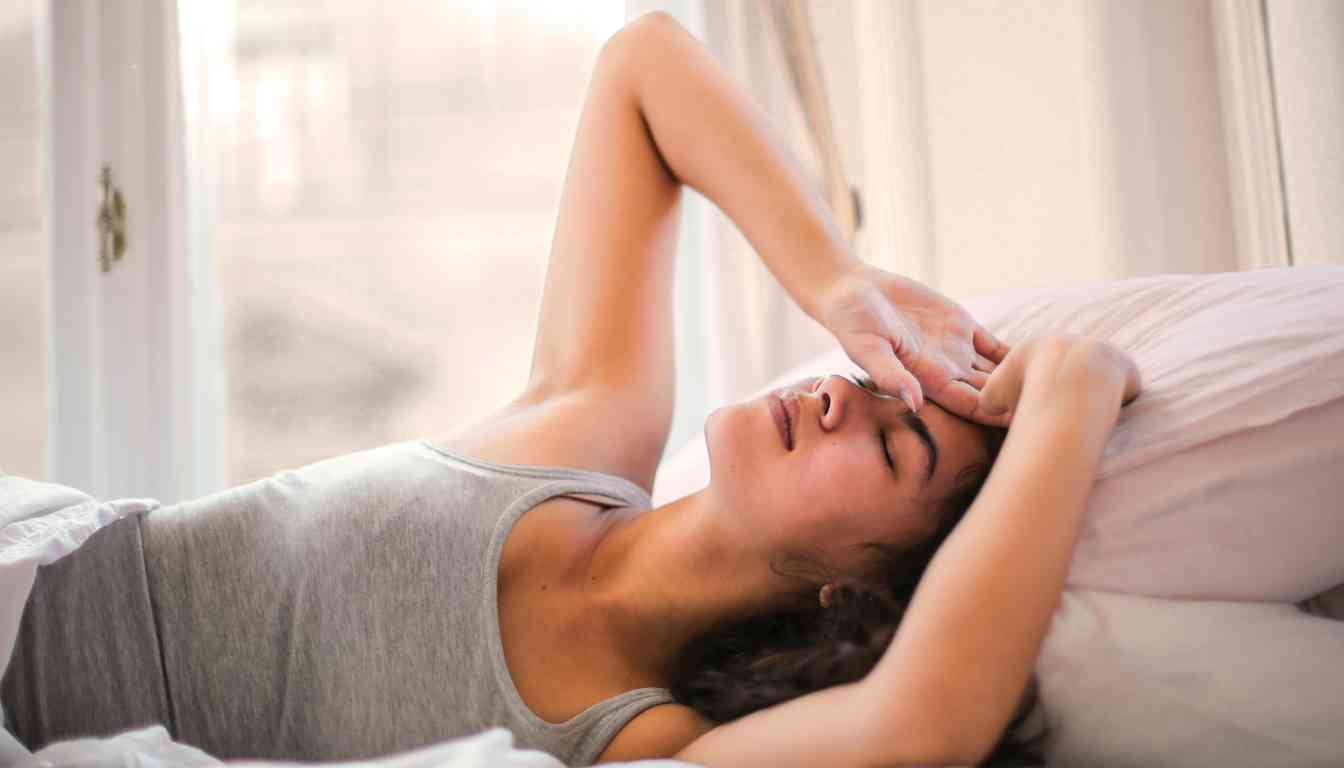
(962, 400)
(988, 345)
(983, 363)
(958, 398)
(895, 379)
(889, 374)
(1003, 388)
(976, 379)
(982, 416)
(1003, 420)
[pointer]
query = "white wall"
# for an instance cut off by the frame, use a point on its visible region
(1010, 144)
(1307, 56)
(1058, 140)
(1073, 140)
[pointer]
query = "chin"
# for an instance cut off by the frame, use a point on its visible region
(729, 434)
(711, 435)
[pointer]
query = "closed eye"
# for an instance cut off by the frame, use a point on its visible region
(916, 425)
(882, 440)
(867, 383)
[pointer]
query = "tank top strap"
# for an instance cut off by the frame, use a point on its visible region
(609, 716)
(603, 487)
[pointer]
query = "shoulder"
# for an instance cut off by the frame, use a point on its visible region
(583, 429)
(657, 732)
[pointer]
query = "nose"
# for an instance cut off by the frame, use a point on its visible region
(835, 395)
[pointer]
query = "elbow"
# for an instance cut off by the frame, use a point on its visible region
(646, 31)
(654, 23)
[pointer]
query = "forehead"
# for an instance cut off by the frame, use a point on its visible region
(961, 443)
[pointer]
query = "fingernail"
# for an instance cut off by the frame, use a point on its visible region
(909, 401)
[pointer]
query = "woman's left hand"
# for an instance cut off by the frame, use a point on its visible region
(912, 340)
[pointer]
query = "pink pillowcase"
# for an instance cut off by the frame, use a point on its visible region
(1219, 353)
(1223, 480)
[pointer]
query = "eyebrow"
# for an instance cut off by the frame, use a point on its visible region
(916, 425)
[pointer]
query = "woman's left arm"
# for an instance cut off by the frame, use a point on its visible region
(716, 140)
(659, 112)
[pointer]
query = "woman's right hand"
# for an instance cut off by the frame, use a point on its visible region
(1046, 356)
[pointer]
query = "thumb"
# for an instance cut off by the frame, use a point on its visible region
(1003, 388)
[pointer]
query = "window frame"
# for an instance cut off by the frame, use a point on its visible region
(138, 382)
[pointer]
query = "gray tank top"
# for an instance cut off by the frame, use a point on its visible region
(347, 609)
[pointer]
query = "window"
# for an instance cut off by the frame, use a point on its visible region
(24, 277)
(388, 181)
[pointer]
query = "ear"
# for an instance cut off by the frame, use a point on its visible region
(825, 595)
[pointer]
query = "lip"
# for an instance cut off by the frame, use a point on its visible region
(784, 410)
(779, 412)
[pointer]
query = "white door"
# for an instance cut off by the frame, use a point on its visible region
(134, 400)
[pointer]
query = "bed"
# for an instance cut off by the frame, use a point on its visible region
(1181, 640)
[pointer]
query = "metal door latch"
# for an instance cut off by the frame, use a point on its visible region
(111, 222)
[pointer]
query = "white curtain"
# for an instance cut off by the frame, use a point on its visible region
(758, 329)
(736, 327)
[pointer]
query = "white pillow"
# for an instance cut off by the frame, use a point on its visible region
(1139, 681)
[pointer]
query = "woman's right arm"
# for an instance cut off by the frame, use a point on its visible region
(970, 637)
(955, 671)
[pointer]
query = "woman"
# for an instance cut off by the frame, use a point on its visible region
(397, 597)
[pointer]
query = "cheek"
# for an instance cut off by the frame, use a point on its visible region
(825, 496)
(853, 500)
(844, 472)
(829, 492)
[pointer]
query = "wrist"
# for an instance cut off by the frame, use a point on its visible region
(1080, 369)
(1105, 370)
(829, 276)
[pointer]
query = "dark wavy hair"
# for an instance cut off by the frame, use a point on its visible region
(745, 664)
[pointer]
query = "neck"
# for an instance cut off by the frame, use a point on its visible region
(660, 578)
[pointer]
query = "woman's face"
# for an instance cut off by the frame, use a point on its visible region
(834, 491)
